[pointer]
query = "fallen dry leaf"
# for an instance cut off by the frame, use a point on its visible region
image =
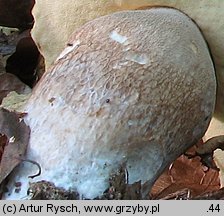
(2, 68)
(3, 142)
(186, 174)
(20, 56)
(18, 134)
(8, 83)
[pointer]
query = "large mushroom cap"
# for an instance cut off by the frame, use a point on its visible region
(65, 16)
(134, 88)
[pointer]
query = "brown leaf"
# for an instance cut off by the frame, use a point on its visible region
(22, 56)
(18, 134)
(186, 174)
(8, 83)
(3, 142)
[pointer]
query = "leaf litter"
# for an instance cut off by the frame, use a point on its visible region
(14, 140)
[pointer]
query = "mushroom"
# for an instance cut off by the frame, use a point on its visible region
(207, 14)
(133, 88)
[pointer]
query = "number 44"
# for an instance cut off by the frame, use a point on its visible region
(214, 208)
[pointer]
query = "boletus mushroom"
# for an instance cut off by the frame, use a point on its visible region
(133, 88)
(65, 16)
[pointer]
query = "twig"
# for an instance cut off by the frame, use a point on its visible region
(213, 195)
(183, 194)
(33, 162)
